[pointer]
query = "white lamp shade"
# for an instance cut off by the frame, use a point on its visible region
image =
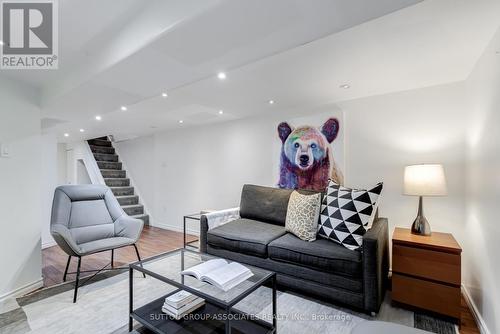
(424, 180)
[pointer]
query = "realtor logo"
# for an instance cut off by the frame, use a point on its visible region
(29, 34)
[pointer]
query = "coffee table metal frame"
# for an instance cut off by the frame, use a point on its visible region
(195, 217)
(225, 306)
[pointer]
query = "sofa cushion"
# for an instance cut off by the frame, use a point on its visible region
(320, 254)
(245, 236)
(264, 204)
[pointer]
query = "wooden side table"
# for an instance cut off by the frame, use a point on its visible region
(426, 271)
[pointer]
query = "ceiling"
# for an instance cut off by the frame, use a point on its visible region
(295, 52)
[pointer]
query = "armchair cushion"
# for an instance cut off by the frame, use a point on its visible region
(89, 213)
(89, 233)
(104, 244)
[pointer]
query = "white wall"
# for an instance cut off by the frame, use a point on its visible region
(81, 167)
(49, 181)
(187, 170)
(20, 190)
(387, 132)
(62, 175)
(483, 188)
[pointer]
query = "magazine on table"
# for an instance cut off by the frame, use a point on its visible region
(220, 273)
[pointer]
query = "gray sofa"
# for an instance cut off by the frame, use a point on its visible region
(320, 268)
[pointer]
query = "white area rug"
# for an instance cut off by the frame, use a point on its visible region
(102, 307)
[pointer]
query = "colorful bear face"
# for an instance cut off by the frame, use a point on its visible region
(306, 157)
(307, 145)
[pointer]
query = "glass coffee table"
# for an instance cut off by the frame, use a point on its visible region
(218, 315)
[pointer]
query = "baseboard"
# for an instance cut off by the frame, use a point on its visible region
(23, 290)
(175, 228)
(48, 244)
(483, 329)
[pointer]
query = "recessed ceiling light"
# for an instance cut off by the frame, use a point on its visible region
(181, 121)
(1, 42)
(66, 135)
(98, 118)
(164, 94)
(345, 86)
(221, 75)
(82, 130)
(271, 101)
(123, 108)
(221, 112)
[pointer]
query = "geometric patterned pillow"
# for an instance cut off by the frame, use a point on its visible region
(302, 215)
(346, 214)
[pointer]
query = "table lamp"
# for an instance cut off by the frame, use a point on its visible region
(423, 180)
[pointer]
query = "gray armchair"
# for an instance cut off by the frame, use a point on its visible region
(87, 219)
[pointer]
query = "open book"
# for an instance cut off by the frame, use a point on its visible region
(220, 273)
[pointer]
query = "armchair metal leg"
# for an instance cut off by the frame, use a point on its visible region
(139, 258)
(66, 270)
(112, 258)
(77, 278)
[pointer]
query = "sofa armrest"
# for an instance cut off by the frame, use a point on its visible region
(63, 238)
(213, 219)
(375, 264)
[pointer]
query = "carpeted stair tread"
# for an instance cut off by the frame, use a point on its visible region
(113, 173)
(116, 178)
(117, 182)
(132, 210)
(119, 191)
(128, 200)
(100, 142)
(109, 165)
(102, 149)
(106, 157)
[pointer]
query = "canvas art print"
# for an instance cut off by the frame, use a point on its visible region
(307, 160)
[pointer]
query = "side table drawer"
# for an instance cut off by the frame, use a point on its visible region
(428, 295)
(429, 264)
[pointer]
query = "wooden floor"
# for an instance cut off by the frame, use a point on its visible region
(467, 322)
(155, 241)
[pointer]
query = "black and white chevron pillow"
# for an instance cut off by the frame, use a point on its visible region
(346, 214)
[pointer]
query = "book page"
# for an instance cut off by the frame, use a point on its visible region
(228, 275)
(203, 268)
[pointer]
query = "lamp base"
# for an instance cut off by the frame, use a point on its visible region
(421, 226)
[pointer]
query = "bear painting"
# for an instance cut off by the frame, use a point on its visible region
(306, 160)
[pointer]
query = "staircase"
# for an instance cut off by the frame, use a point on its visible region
(116, 178)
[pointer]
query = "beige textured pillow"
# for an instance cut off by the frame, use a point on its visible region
(302, 215)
